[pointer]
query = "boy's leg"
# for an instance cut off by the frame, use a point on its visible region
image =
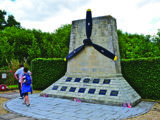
(25, 101)
(24, 98)
(27, 98)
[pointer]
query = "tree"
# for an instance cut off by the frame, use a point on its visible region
(12, 22)
(56, 45)
(2, 19)
(41, 39)
(21, 39)
(7, 51)
(61, 41)
(34, 51)
(137, 46)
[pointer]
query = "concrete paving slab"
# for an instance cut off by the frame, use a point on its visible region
(10, 95)
(22, 118)
(55, 108)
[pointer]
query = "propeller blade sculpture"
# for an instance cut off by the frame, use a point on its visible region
(88, 42)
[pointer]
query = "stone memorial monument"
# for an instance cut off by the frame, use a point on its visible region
(91, 76)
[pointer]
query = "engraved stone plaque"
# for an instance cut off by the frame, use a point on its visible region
(68, 79)
(81, 90)
(114, 93)
(106, 81)
(102, 92)
(55, 88)
(91, 91)
(77, 80)
(63, 88)
(86, 80)
(96, 81)
(72, 89)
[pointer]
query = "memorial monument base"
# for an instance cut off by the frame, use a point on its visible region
(112, 89)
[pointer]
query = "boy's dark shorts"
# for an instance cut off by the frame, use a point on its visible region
(25, 94)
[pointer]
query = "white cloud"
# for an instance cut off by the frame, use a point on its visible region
(133, 16)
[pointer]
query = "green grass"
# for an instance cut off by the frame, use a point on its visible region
(12, 86)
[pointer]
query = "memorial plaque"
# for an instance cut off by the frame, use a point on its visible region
(106, 81)
(86, 80)
(72, 89)
(91, 91)
(63, 88)
(102, 92)
(81, 90)
(68, 79)
(114, 93)
(55, 88)
(77, 80)
(96, 81)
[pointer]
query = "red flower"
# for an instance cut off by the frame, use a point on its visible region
(10, 71)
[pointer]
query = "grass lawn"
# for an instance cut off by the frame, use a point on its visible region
(2, 110)
(12, 86)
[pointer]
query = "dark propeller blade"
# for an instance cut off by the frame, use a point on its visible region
(105, 52)
(88, 23)
(74, 52)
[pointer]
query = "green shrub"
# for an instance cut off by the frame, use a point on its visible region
(143, 75)
(46, 71)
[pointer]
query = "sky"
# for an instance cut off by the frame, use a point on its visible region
(132, 16)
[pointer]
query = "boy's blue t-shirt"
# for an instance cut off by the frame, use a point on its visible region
(25, 88)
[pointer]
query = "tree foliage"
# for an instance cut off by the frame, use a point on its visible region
(2, 19)
(19, 43)
(11, 21)
(138, 46)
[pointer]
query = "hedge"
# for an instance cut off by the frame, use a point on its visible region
(143, 75)
(46, 71)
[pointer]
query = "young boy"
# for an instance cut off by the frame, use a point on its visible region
(25, 87)
(20, 72)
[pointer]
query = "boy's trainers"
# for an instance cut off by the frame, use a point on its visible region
(27, 105)
(20, 97)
